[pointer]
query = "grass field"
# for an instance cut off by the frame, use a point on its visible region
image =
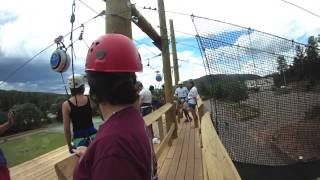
(28, 147)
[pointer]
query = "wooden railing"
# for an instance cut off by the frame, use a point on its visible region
(158, 116)
(162, 116)
(216, 162)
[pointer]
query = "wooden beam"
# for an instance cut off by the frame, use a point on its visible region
(118, 17)
(174, 53)
(160, 128)
(146, 27)
(64, 168)
(166, 64)
(154, 116)
(165, 53)
(217, 162)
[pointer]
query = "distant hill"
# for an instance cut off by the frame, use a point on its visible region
(229, 87)
(217, 78)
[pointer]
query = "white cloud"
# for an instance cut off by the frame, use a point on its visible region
(5, 86)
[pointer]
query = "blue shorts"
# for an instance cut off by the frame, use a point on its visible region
(193, 106)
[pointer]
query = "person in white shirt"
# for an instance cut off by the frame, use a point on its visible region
(192, 100)
(145, 103)
(145, 99)
(181, 93)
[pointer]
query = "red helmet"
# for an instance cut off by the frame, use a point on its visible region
(113, 53)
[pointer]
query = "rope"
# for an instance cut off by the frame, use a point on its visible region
(81, 36)
(24, 64)
(310, 12)
(72, 20)
(211, 19)
(140, 44)
(85, 42)
(157, 55)
(64, 84)
(88, 7)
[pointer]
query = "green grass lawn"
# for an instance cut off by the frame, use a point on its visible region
(29, 147)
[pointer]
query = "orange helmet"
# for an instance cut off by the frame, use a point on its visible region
(113, 53)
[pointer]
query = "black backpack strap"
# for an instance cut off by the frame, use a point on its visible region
(70, 103)
(88, 101)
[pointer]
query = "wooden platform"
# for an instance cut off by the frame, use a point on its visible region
(183, 160)
(41, 167)
(180, 161)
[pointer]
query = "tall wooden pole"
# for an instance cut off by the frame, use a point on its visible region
(174, 53)
(166, 66)
(118, 18)
(165, 53)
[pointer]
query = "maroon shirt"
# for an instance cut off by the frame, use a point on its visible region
(121, 150)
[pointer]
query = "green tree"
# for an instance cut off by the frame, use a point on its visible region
(230, 90)
(312, 50)
(28, 116)
(298, 64)
(3, 117)
(56, 107)
(312, 64)
(282, 68)
(204, 90)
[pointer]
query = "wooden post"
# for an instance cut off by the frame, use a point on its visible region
(160, 127)
(178, 117)
(174, 53)
(166, 66)
(118, 18)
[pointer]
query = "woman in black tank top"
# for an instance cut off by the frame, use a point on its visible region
(77, 110)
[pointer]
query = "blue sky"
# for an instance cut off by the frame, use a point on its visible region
(25, 30)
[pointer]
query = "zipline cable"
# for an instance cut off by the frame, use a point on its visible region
(43, 50)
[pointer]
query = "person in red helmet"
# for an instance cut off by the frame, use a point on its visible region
(122, 148)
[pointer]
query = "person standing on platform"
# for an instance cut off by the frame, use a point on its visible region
(192, 99)
(155, 98)
(146, 105)
(78, 111)
(181, 93)
(145, 99)
(122, 148)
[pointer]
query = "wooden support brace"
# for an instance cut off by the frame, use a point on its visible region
(146, 27)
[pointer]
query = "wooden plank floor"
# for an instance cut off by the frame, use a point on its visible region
(181, 161)
(41, 167)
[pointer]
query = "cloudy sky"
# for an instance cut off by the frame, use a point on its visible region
(27, 27)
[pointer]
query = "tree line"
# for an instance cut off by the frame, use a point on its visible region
(305, 66)
(31, 108)
(224, 87)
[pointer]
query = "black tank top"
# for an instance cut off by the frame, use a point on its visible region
(81, 117)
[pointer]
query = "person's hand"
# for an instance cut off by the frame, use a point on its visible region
(71, 148)
(11, 116)
(80, 151)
